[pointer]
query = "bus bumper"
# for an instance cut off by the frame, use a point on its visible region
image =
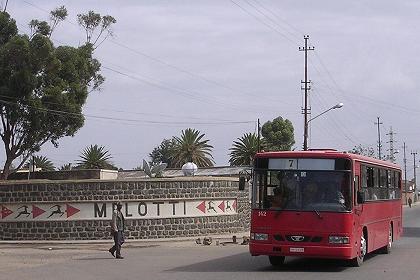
(319, 251)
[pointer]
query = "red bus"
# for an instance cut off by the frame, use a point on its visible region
(323, 204)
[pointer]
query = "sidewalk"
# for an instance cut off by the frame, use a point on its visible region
(15, 255)
(133, 243)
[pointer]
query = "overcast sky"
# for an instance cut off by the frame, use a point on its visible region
(218, 66)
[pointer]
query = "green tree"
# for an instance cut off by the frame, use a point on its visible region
(65, 167)
(42, 27)
(56, 16)
(95, 157)
(278, 135)
(91, 22)
(243, 150)
(163, 153)
(363, 150)
(191, 147)
(42, 88)
(41, 162)
(39, 27)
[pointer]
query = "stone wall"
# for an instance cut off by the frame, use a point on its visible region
(97, 191)
(75, 174)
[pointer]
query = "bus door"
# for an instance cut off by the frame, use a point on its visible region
(357, 207)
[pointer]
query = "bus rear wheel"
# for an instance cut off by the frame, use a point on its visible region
(276, 260)
(387, 249)
(358, 261)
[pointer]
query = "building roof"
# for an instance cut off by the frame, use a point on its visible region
(221, 171)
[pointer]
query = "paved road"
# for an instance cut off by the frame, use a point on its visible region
(186, 260)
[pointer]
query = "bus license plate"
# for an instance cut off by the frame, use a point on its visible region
(297, 250)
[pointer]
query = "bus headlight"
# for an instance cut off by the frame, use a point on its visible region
(259, 236)
(339, 239)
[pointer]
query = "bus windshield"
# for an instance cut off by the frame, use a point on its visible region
(302, 190)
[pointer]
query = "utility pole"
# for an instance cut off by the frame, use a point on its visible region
(379, 139)
(306, 88)
(415, 181)
(405, 174)
(258, 139)
(391, 145)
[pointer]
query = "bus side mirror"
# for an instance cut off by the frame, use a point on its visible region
(241, 183)
(360, 197)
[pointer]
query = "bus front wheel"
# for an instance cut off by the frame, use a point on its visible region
(276, 260)
(358, 261)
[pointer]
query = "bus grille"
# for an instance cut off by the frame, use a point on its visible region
(306, 238)
(316, 239)
(278, 237)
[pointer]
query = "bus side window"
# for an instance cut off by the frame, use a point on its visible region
(356, 188)
(382, 192)
(398, 184)
(364, 181)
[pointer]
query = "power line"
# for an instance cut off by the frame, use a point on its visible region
(181, 70)
(306, 87)
(160, 61)
(344, 94)
(262, 22)
(230, 88)
(375, 101)
(269, 18)
(121, 111)
(281, 19)
(334, 121)
(70, 114)
(185, 93)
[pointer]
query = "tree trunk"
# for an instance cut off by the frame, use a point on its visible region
(6, 169)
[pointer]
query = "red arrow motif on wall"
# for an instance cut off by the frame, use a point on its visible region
(234, 205)
(222, 206)
(5, 212)
(36, 211)
(202, 207)
(71, 210)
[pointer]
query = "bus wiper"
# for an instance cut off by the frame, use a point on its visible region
(318, 214)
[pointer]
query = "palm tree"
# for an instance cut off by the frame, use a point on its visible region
(41, 162)
(243, 150)
(95, 157)
(65, 167)
(191, 148)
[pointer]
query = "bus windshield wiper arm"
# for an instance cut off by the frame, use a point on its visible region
(318, 214)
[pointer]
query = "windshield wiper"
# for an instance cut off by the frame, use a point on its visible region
(318, 214)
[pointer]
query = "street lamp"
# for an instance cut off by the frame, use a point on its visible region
(305, 136)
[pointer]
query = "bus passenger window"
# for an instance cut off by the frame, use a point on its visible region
(356, 188)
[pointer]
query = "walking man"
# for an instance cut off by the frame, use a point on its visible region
(117, 228)
(409, 201)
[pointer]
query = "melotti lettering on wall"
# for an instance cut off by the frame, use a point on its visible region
(101, 210)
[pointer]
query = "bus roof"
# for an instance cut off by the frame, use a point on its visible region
(325, 154)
